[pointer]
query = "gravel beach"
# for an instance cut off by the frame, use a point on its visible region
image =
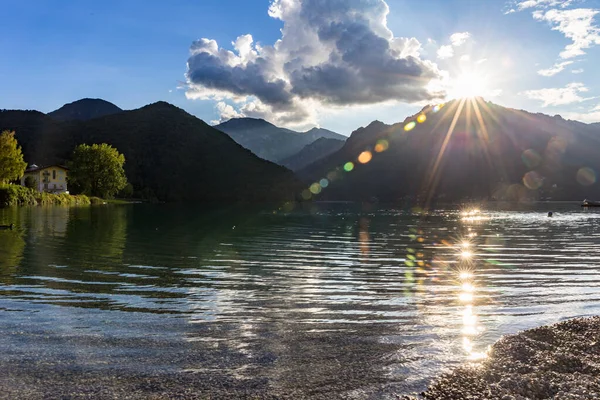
(560, 361)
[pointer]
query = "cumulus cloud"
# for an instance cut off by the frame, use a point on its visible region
(577, 25)
(559, 96)
(331, 53)
(577, 71)
(226, 112)
(459, 38)
(444, 52)
(456, 39)
(558, 67)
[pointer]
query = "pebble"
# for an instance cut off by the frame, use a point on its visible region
(560, 361)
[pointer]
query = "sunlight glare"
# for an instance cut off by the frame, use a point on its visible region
(468, 85)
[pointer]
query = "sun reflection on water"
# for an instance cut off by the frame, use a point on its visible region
(467, 263)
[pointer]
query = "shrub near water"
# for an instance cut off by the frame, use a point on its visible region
(16, 195)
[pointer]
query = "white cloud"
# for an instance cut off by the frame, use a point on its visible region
(226, 112)
(577, 25)
(588, 117)
(456, 40)
(465, 58)
(330, 54)
(577, 71)
(522, 5)
(445, 52)
(558, 67)
(559, 96)
(459, 38)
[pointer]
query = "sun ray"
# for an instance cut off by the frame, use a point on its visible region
(434, 176)
(484, 135)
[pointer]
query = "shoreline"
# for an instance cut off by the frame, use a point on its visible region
(552, 361)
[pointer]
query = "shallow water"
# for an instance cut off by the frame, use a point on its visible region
(333, 300)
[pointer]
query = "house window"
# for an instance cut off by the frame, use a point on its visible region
(53, 174)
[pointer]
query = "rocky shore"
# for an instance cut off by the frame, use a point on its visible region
(560, 361)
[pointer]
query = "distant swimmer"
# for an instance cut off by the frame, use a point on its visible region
(549, 213)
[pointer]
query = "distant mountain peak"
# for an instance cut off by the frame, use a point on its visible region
(271, 142)
(84, 109)
(244, 122)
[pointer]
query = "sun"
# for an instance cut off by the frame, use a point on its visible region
(468, 85)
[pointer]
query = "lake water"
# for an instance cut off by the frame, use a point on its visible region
(329, 301)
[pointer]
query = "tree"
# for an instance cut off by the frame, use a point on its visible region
(12, 165)
(30, 182)
(97, 170)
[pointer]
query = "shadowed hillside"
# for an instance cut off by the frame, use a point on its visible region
(317, 150)
(472, 149)
(170, 154)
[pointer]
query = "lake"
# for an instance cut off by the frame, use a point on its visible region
(327, 301)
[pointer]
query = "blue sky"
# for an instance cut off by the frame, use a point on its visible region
(133, 52)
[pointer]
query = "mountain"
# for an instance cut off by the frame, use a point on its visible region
(269, 141)
(84, 109)
(317, 133)
(170, 154)
(471, 150)
(312, 152)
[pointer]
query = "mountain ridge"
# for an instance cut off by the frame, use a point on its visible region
(84, 109)
(269, 141)
(170, 154)
(514, 155)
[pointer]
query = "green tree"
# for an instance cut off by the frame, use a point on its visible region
(97, 170)
(12, 165)
(30, 182)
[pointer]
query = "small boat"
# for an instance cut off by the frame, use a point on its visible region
(4, 227)
(587, 203)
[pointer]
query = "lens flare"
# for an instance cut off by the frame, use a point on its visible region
(421, 118)
(349, 166)
(533, 180)
(410, 126)
(531, 158)
(315, 188)
(382, 145)
(586, 176)
(324, 183)
(365, 157)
